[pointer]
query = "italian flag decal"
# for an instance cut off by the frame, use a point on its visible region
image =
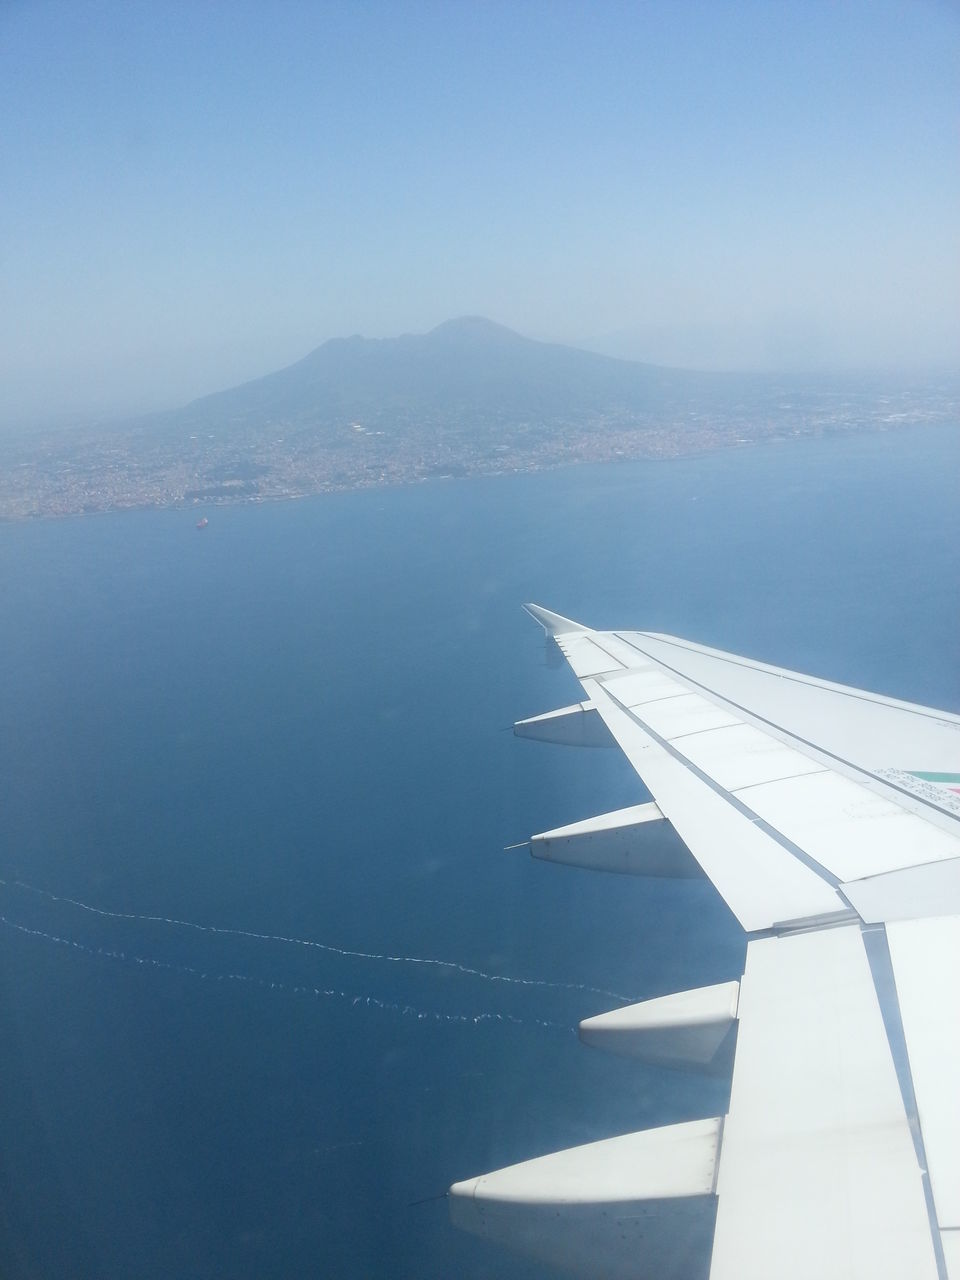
(949, 780)
(939, 789)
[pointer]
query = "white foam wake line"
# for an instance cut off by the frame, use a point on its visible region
(319, 946)
(328, 993)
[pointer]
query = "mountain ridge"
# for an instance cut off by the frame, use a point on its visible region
(470, 397)
(468, 365)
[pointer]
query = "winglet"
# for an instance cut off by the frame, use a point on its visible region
(554, 624)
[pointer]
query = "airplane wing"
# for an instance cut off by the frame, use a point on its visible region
(828, 819)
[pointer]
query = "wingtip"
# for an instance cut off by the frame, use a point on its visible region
(554, 624)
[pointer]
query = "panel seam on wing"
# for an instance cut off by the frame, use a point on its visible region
(865, 776)
(858, 695)
(743, 809)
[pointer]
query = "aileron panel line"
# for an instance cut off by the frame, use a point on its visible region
(761, 882)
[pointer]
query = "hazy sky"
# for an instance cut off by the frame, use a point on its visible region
(197, 193)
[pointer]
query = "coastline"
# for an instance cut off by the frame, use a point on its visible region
(88, 475)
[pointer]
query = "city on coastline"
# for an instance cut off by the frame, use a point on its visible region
(74, 472)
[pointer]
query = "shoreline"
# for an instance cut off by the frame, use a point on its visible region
(47, 503)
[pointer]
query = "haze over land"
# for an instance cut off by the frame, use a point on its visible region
(470, 397)
(194, 194)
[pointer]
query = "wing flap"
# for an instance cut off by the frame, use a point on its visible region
(742, 756)
(926, 961)
(950, 1243)
(842, 819)
(848, 828)
(648, 684)
(818, 1172)
(683, 715)
(931, 890)
(761, 882)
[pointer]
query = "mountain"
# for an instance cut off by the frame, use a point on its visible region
(468, 398)
(468, 370)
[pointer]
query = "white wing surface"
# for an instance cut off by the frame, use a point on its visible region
(828, 819)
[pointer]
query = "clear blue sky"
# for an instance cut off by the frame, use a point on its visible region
(197, 193)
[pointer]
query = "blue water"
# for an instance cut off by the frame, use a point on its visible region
(292, 724)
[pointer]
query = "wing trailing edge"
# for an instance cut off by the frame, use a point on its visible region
(828, 819)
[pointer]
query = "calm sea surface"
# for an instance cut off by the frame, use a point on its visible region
(289, 729)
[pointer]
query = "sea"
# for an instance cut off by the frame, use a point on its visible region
(269, 979)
